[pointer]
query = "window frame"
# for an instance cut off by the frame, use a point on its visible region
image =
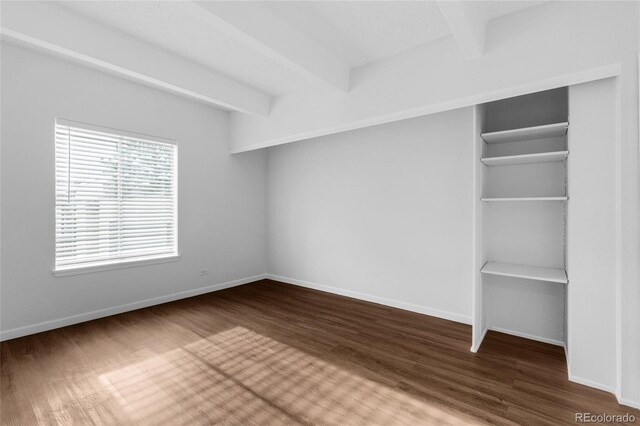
(124, 262)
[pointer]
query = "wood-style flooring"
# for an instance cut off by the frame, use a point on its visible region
(269, 353)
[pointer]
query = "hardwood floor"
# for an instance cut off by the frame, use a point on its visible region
(271, 353)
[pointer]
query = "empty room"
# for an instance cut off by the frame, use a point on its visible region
(319, 212)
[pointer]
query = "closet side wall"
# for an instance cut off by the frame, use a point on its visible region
(592, 234)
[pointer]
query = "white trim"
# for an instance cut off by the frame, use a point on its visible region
(451, 316)
(579, 77)
(566, 357)
(618, 235)
(628, 403)
(109, 265)
(111, 130)
(259, 107)
(591, 384)
(477, 312)
(100, 313)
(475, 348)
(528, 336)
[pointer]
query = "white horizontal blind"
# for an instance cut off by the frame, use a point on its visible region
(115, 197)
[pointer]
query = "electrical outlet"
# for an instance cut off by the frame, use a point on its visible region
(204, 272)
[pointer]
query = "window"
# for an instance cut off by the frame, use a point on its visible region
(115, 197)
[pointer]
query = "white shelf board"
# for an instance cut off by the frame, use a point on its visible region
(555, 275)
(542, 157)
(537, 132)
(486, 199)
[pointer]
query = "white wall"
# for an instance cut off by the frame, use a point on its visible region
(593, 235)
(221, 197)
(629, 313)
(382, 213)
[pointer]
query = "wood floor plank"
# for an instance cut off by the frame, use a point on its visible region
(272, 353)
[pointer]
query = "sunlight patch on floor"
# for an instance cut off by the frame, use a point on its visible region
(241, 377)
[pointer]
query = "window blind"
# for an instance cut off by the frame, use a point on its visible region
(115, 197)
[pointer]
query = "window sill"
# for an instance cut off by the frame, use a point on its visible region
(133, 263)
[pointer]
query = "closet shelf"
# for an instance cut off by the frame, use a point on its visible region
(543, 157)
(524, 199)
(555, 275)
(537, 132)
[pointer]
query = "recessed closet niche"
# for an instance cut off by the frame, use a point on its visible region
(522, 149)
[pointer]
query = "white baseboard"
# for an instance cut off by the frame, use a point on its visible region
(475, 348)
(528, 336)
(566, 357)
(629, 403)
(88, 316)
(591, 383)
(586, 382)
(101, 313)
(375, 299)
(571, 377)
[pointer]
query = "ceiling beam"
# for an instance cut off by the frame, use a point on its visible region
(49, 28)
(435, 77)
(467, 23)
(273, 37)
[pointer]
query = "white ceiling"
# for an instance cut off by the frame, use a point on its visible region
(169, 25)
(497, 9)
(356, 32)
(359, 32)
